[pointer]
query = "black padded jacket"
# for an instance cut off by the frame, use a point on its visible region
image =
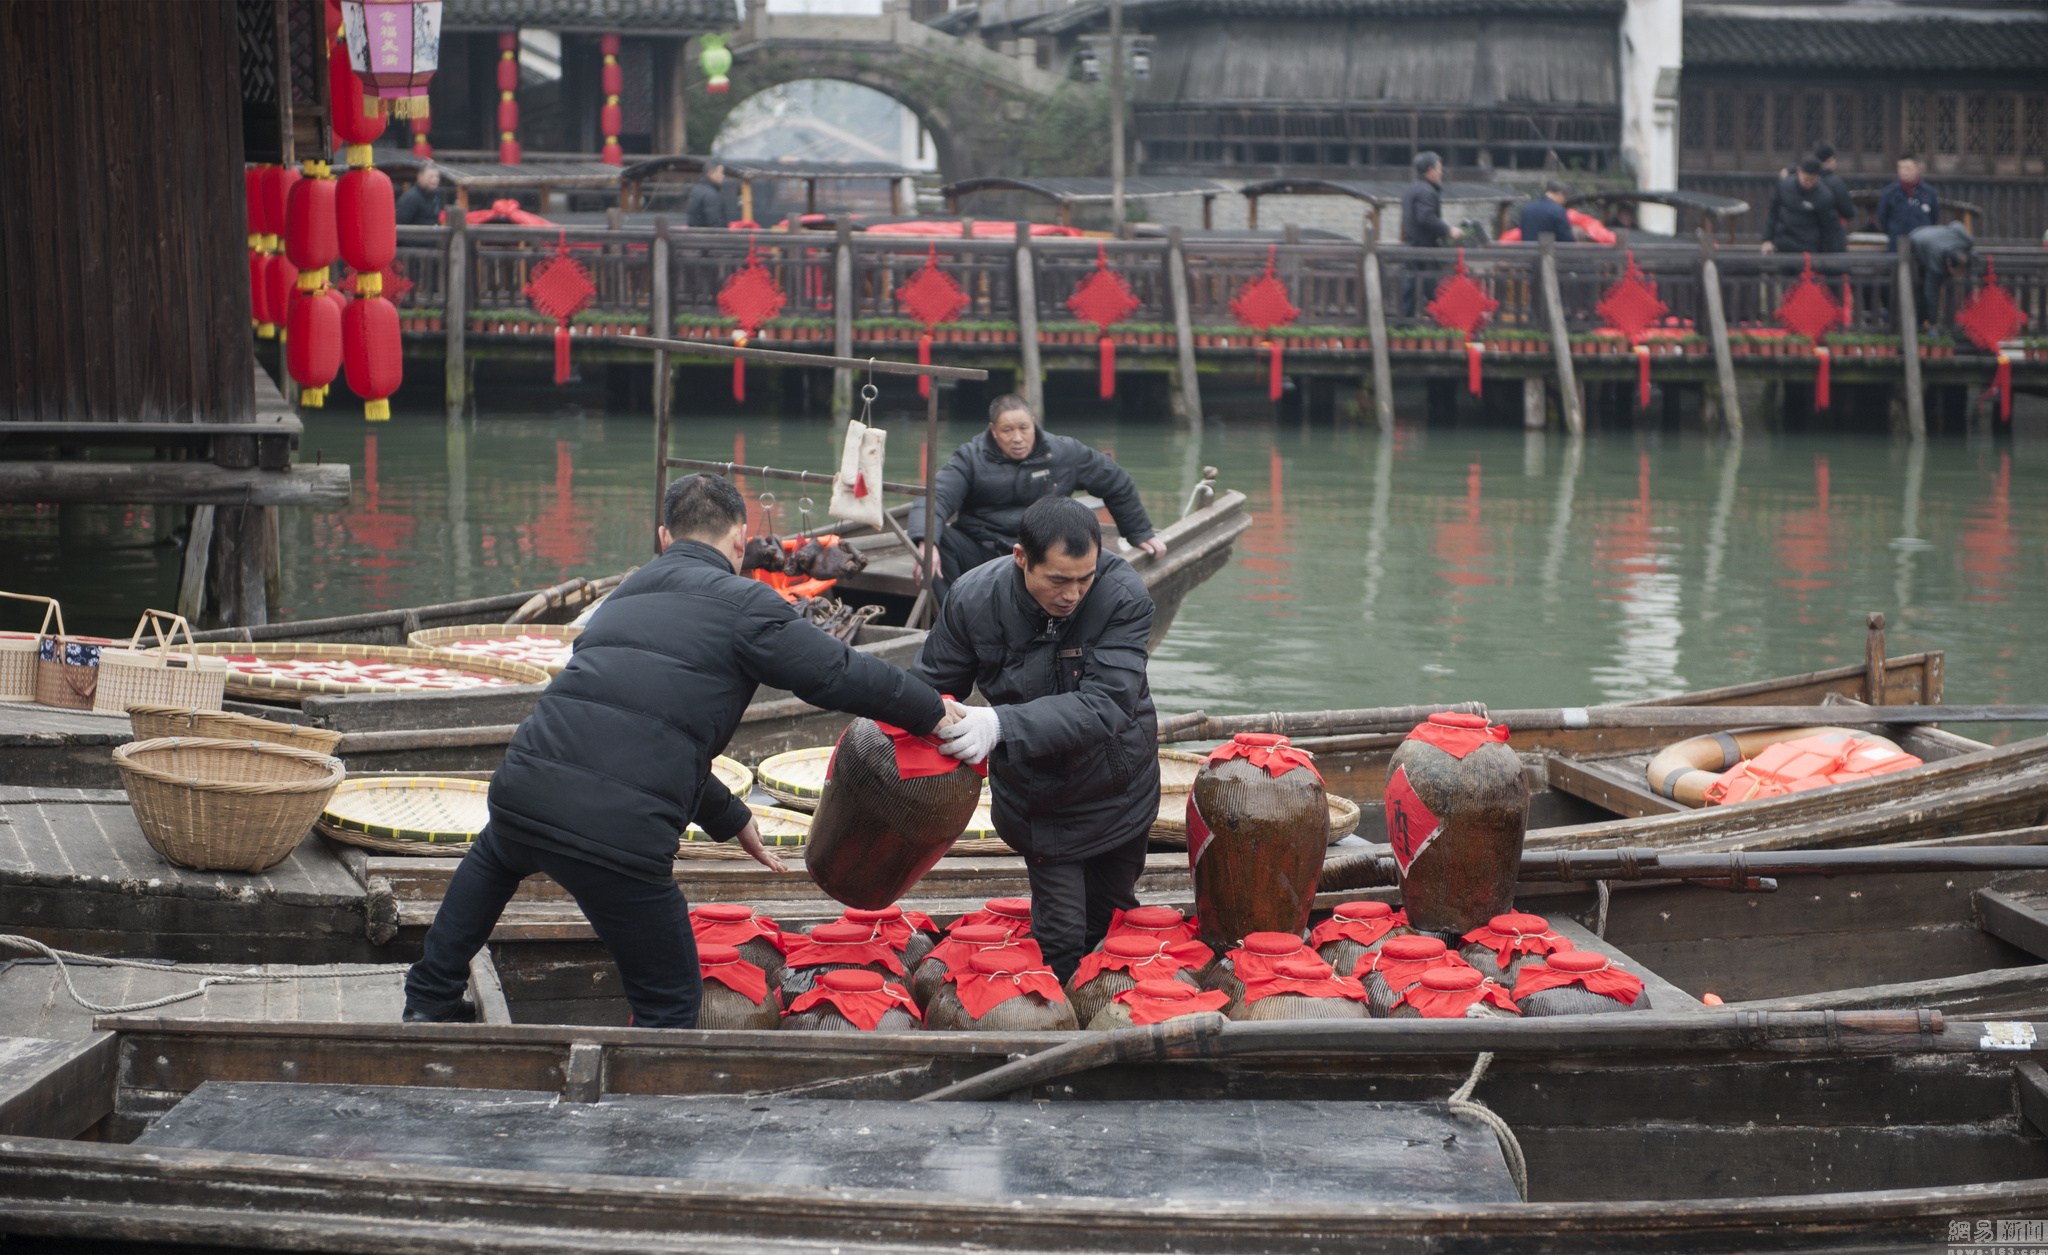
(991, 492)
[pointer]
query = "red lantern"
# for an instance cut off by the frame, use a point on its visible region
(420, 147)
(259, 294)
(312, 350)
(366, 216)
(312, 241)
(394, 47)
(256, 212)
(310, 236)
(611, 117)
(373, 354)
(358, 120)
(508, 101)
(280, 277)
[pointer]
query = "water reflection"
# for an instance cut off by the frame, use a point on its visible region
(1988, 542)
(1806, 545)
(1644, 654)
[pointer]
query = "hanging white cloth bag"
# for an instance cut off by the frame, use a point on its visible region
(857, 489)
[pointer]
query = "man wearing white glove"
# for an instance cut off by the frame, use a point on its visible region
(1056, 639)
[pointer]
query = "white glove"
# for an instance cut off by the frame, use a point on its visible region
(972, 737)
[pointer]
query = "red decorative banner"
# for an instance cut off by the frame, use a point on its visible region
(1262, 305)
(931, 297)
(1104, 298)
(1463, 306)
(750, 297)
(1411, 825)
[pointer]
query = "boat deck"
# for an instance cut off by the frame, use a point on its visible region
(34, 1001)
(44, 746)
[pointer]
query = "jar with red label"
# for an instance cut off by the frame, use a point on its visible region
(1578, 982)
(1457, 809)
(835, 947)
(1006, 990)
(1355, 929)
(953, 951)
(1124, 959)
(1258, 825)
(736, 992)
(1453, 993)
(1398, 964)
(852, 1000)
(1155, 1002)
(1301, 988)
(736, 924)
(1502, 946)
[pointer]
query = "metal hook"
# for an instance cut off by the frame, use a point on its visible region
(803, 511)
(868, 393)
(766, 500)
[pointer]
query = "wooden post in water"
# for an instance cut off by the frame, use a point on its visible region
(1190, 411)
(1906, 301)
(842, 319)
(455, 318)
(1376, 327)
(239, 537)
(662, 319)
(1032, 385)
(1560, 338)
(198, 553)
(1873, 660)
(1717, 335)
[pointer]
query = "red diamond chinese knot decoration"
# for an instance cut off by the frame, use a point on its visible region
(559, 289)
(1809, 311)
(931, 297)
(1263, 305)
(1990, 318)
(1104, 298)
(1632, 308)
(750, 297)
(1463, 306)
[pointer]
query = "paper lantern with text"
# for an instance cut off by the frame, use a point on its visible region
(373, 354)
(394, 47)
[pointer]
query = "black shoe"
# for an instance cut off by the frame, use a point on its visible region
(463, 1012)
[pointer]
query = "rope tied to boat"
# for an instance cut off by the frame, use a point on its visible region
(1461, 1102)
(211, 975)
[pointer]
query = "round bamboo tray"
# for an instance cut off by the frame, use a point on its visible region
(796, 778)
(220, 805)
(1177, 769)
(780, 829)
(151, 722)
(294, 689)
(547, 645)
(733, 774)
(428, 816)
(1171, 828)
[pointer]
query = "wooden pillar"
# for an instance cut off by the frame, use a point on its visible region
(1033, 381)
(842, 319)
(1183, 329)
(1533, 403)
(663, 324)
(1717, 335)
(1873, 659)
(240, 538)
(1906, 301)
(1376, 329)
(1560, 338)
(198, 558)
(455, 318)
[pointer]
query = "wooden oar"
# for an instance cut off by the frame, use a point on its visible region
(1382, 720)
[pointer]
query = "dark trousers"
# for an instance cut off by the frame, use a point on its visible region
(959, 554)
(1071, 902)
(645, 926)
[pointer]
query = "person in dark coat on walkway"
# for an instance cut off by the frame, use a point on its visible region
(615, 760)
(1939, 254)
(1546, 215)
(993, 478)
(1423, 225)
(1838, 189)
(1907, 205)
(1056, 640)
(421, 204)
(1802, 216)
(706, 205)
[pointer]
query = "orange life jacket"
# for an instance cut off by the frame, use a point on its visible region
(795, 588)
(1810, 762)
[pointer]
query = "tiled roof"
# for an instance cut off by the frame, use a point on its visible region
(681, 17)
(1891, 40)
(1374, 8)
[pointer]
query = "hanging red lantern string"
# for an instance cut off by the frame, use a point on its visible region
(610, 119)
(1463, 306)
(559, 289)
(1262, 305)
(750, 296)
(1631, 307)
(931, 296)
(394, 47)
(1104, 298)
(258, 214)
(420, 147)
(1809, 311)
(508, 100)
(366, 235)
(373, 353)
(313, 324)
(1990, 318)
(279, 275)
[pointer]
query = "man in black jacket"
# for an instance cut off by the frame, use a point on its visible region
(421, 204)
(706, 206)
(1056, 640)
(1423, 225)
(600, 780)
(993, 478)
(1803, 217)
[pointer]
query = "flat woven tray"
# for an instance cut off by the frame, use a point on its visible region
(780, 829)
(1177, 769)
(543, 645)
(414, 670)
(796, 778)
(1171, 828)
(733, 774)
(428, 816)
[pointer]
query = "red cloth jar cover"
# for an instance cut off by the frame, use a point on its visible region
(1154, 1001)
(1144, 957)
(1515, 934)
(1402, 960)
(916, 756)
(724, 965)
(892, 924)
(1012, 915)
(1363, 922)
(957, 946)
(1445, 993)
(733, 924)
(862, 997)
(993, 977)
(1308, 976)
(1163, 922)
(854, 944)
(1458, 735)
(1276, 754)
(1254, 959)
(1587, 968)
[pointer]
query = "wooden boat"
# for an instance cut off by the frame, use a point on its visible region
(1681, 1131)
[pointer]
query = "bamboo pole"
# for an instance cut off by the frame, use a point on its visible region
(455, 319)
(664, 377)
(1717, 335)
(1560, 337)
(782, 357)
(1032, 383)
(1183, 327)
(1343, 725)
(1197, 727)
(1376, 328)
(1180, 1038)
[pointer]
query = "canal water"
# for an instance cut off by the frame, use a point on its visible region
(1437, 564)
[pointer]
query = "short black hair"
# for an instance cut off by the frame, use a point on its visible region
(1425, 162)
(1908, 156)
(1558, 186)
(1060, 520)
(1007, 402)
(701, 506)
(1809, 166)
(1823, 152)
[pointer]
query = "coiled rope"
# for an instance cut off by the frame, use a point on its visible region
(1462, 1102)
(212, 975)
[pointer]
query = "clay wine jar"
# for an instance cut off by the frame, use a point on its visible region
(887, 922)
(711, 920)
(1091, 995)
(960, 943)
(827, 1018)
(1575, 998)
(1040, 1006)
(1342, 952)
(1167, 992)
(1457, 809)
(1259, 950)
(726, 1007)
(800, 972)
(1522, 936)
(876, 831)
(1299, 1005)
(1452, 986)
(1258, 825)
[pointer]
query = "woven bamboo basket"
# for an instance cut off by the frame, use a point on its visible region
(427, 816)
(18, 666)
(1171, 828)
(221, 805)
(151, 722)
(448, 641)
(278, 688)
(159, 675)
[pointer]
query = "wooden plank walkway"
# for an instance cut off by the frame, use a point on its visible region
(41, 745)
(35, 1003)
(76, 873)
